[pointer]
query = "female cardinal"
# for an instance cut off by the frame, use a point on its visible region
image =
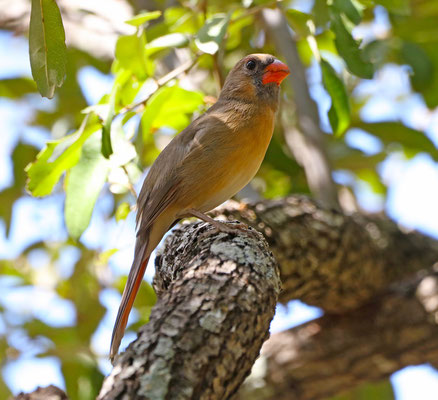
(206, 164)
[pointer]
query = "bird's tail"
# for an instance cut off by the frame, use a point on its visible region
(135, 278)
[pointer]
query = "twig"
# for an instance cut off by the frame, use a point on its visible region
(130, 185)
(185, 67)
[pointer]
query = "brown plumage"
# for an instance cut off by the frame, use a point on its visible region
(206, 164)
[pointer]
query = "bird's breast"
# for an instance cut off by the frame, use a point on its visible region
(232, 167)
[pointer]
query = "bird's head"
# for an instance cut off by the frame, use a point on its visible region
(256, 78)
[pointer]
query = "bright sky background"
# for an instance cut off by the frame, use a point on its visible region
(412, 201)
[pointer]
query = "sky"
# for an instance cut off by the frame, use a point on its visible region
(411, 201)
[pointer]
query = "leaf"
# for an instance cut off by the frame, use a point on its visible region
(106, 148)
(349, 50)
(339, 113)
(421, 64)
(350, 8)
(210, 36)
(21, 156)
(401, 7)
(55, 158)
(47, 48)
(298, 21)
(169, 107)
(395, 132)
(163, 42)
(83, 184)
(130, 53)
(122, 211)
(15, 88)
(366, 391)
(144, 17)
(105, 256)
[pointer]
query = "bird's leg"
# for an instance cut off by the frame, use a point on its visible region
(221, 226)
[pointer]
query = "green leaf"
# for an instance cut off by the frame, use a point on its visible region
(15, 88)
(351, 8)
(163, 42)
(349, 50)
(421, 64)
(55, 158)
(107, 149)
(389, 133)
(210, 36)
(367, 391)
(83, 184)
(141, 18)
(339, 113)
(122, 211)
(400, 7)
(47, 49)
(130, 53)
(298, 21)
(169, 107)
(105, 256)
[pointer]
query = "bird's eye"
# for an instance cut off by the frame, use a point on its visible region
(251, 64)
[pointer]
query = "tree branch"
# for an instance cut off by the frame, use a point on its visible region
(216, 298)
(334, 353)
(329, 259)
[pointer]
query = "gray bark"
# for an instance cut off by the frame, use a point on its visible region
(331, 260)
(217, 294)
(216, 298)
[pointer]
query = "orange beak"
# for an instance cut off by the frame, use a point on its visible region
(275, 72)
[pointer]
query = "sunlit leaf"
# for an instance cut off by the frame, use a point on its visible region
(349, 50)
(105, 256)
(339, 113)
(144, 17)
(83, 184)
(106, 147)
(372, 178)
(55, 158)
(14, 88)
(169, 107)
(47, 46)
(130, 53)
(171, 40)
(210, 36)
(299, 21)
(122, 211)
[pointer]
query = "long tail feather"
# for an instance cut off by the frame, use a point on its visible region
(131, 288)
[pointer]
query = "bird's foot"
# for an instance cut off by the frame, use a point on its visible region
(219, 226)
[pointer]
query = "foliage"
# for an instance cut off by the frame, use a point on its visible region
(103, 147)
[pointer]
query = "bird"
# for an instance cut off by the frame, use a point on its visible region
(205, 165)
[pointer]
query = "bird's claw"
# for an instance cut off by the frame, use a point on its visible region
(235, 229)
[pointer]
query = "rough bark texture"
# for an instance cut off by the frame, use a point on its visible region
(329, 259)
(48, 393)
(216, 298)
(331, 354)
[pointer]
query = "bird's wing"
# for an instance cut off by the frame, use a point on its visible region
(160, 187)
